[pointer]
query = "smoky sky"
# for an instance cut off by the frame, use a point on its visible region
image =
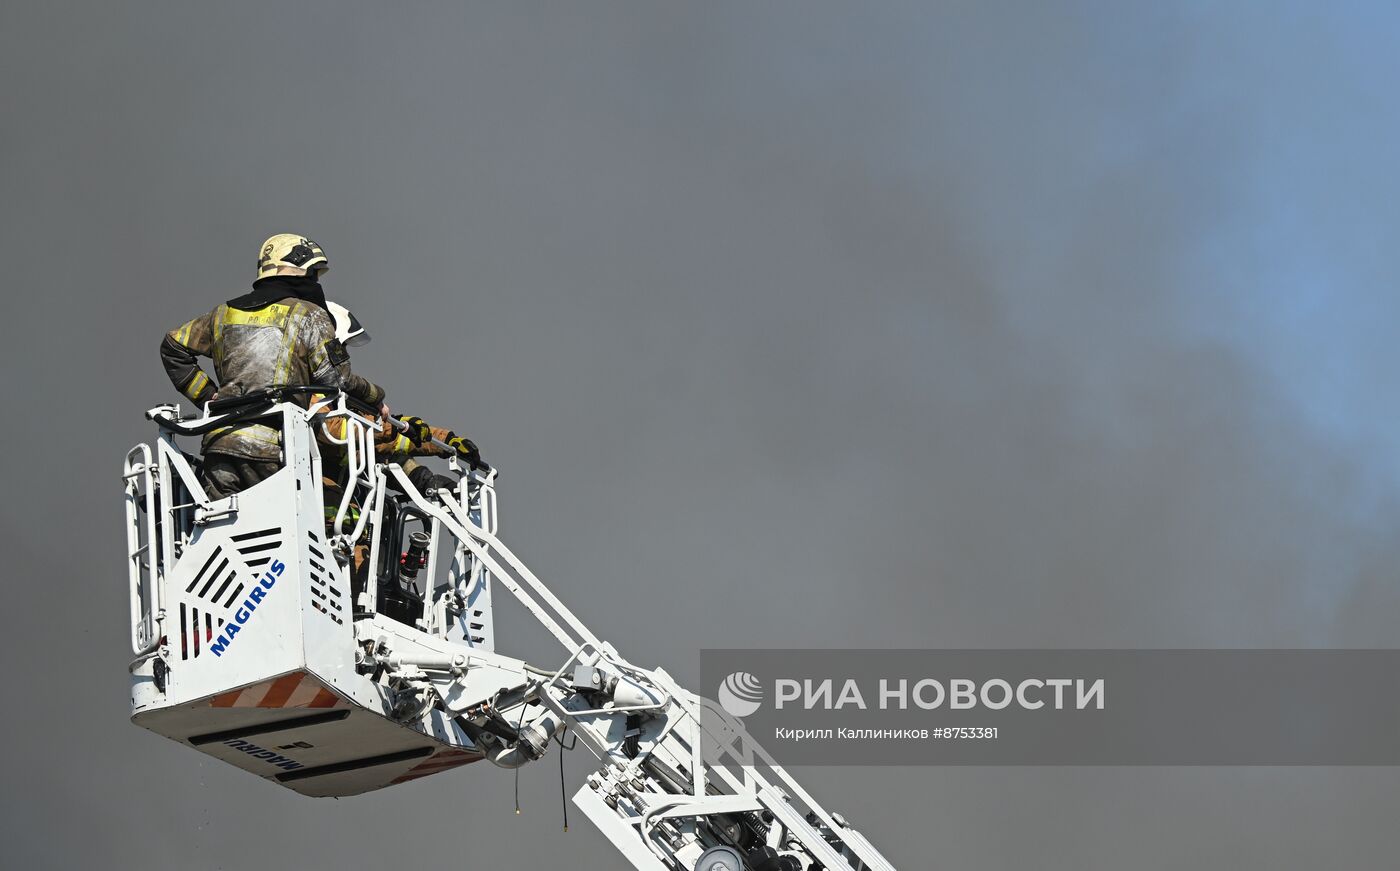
(789, 324)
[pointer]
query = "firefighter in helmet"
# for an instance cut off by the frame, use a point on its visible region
(398, 441)
(280, 333)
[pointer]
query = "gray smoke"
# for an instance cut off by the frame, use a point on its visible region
(792, 325)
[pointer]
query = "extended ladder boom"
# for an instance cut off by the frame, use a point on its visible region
(680, 777)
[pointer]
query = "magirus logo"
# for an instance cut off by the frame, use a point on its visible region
(740, 694)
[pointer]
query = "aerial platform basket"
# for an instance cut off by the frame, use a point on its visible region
(244, 625)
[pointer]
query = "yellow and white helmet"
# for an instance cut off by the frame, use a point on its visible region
(348, 328)
(290, 249)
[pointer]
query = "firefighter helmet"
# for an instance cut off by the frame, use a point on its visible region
(348, 328)
(289, 249)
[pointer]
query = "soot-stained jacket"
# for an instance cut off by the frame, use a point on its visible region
(279, 334)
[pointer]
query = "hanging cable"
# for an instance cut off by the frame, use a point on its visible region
(563, 794)
(518, 725)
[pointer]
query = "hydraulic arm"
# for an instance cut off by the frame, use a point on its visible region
(680, 783)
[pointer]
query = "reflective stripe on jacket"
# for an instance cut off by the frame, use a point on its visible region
(289, 341)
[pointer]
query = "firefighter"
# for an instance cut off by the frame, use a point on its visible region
(397, 442)
(279, 334)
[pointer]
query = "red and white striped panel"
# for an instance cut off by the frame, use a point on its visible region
(295, 690)
(440, 761)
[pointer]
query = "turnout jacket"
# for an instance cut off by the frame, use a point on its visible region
(279, 334)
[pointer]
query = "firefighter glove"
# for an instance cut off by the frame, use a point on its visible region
(417, 431)
(466, 449)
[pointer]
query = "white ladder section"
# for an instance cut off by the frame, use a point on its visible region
(686, 785)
